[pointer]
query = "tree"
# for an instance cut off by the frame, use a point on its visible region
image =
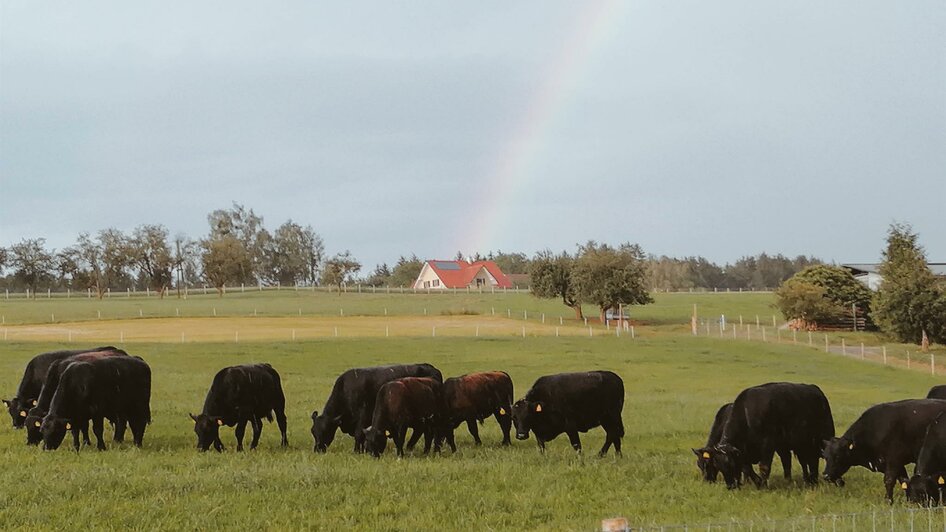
(149, 251)
(909, 301)
(183, 260)
(799, 299)
(31, 263)
(610, 277)
(380, 276)
(552, 278)
(247, 229)
(405, 271)
(288, 254)
(115, 256)
(340, 269)
(511, 262)
(224, 260)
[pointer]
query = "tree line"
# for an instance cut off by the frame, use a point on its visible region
(238, 249)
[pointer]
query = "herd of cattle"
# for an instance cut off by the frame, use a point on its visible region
(63, 391)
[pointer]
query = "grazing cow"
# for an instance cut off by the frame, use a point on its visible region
(36, 414)
(407, 403)
(473, 398)
(572, 403)
(709, 471)
(770, 417)
(929, 477)
(937, 392)
(886, 437)
(110, 388)
(32, 382)
(241, 395)
(351, 403)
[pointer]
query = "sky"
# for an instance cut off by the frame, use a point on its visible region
(719, 129)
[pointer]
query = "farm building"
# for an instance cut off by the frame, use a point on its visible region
(869, 274)
(444, 274)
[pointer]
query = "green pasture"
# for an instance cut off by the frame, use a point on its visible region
(674, 384)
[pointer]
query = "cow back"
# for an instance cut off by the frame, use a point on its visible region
(579, 401)
(249, 388)
(937, 392)
(477, 394)
(894, 431)
(932, 456)
(716, 431)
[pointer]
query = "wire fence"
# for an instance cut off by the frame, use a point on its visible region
(894, 519)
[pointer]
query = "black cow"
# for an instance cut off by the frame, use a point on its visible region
(886, 437)
(407, 403)
(110, 388)
(473, 398)
(770, 417)
(572, 403)
(241, 395)
(36, 414)
(937, 392)
(32, 382)
(351, 403)
(929, 477)
(708, 469)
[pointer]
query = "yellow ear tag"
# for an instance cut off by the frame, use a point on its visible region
(850, 447)
(387, 433)
(941, 481)
(37, 424)
(22, 413)
(538, 408)
(502, 411)
(220, 422)
(68, 426)
(706, 455)
(903, 485)
(34, 402)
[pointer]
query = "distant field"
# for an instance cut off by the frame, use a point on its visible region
(668, 309)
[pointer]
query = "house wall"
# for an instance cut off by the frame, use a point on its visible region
(871, 280)
(428, 279)
(485, 279)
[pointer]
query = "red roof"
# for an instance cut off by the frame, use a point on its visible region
(460, 273)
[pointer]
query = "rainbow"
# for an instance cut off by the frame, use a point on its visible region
(511, 174)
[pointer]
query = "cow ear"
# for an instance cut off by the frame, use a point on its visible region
(192, 417)
(5, 403)
(315, 414)
(219, 422)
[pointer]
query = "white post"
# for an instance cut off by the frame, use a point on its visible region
(236, 336)
(773, 321)
(825, 343)
(586, 322)
(341, 312)
(177, 312)
(121, 337)
(336, 332)
(543, 318)
(477, 333)
(794, 336)
(763, 334)
(843, 347)
(434, 331)
(885, 355)
(215, 312)
(385, 311)
(254, 313)
(932, 364)
(293, 335)
(140, 313)
(492, 311)
(862, 350)
(508, 313)
(387, 331)
(525, 314)
(182, 337)
(560, 320)
(591, 332)
(757, 322)
(52, 318)
(809, 339)
(740, 320)
(632, 332)
(523, 331)
(556, 332)
(733, 332)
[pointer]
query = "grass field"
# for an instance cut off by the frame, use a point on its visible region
(674, 385)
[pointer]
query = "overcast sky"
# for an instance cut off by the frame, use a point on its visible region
(693, 128)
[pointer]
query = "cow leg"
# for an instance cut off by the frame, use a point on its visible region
(360, 425)
(813, 469)
(765, 469)
(239, 432)
(138, 432)
(451, 441)
(428, 438)
(606, 446)
(505, 424)
(98, 427)
(85, 435)
(474, 431)
(415, 437)
(541, 444)
(120, 425)
(75, 436)
(893, 475)
(257, 430)
(218, 445)
(575, 441)
(281, 422)
(399, 434)
(750, 474)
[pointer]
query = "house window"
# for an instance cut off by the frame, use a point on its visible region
(426, 284)
(436, 282)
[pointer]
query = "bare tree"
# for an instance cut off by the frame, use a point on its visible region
(148, 250)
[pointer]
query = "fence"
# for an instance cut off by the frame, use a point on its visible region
(893, 519)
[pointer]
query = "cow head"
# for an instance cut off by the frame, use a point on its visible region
(207, 429)
(926, 489)
(323, 430)
(525, 415)
(18, 411)
(727, 460)
(376, 441)
(53, 430)
(705, 463)
(839, 455)
(33, 423)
